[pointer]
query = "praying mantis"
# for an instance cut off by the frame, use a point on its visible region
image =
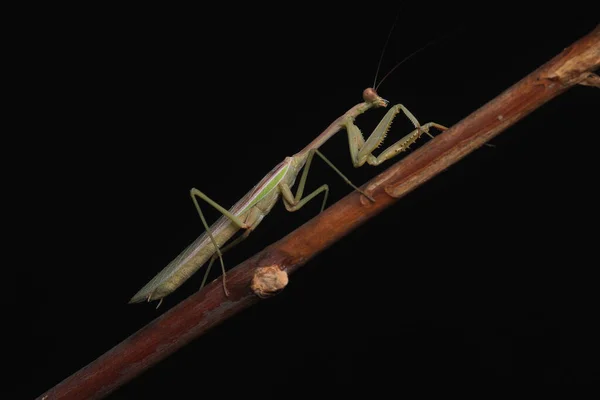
(250, 210)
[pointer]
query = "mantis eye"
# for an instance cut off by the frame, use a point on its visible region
(371, 96)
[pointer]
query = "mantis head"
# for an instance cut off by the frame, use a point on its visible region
(370, 96)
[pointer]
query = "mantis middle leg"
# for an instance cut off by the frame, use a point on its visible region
(294, 203)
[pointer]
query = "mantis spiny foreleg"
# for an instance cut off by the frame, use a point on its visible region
(361, 150)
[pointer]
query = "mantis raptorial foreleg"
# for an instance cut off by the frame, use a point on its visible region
(404, 143)
(361, 150)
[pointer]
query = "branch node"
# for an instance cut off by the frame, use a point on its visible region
(591, 79)
(268, 281)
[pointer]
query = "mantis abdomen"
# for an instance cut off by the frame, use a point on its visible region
(185, 264)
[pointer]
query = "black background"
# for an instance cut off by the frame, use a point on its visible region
(484, 274)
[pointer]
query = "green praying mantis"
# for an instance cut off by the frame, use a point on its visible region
(250, 210)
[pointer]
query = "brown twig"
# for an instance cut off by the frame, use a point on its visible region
(207, 308)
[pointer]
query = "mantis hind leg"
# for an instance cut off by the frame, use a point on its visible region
(224, 249)
(361, 150)
(252, 220)
(196, 193)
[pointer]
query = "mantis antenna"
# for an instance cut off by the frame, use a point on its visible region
(401, 62)
(384, 48)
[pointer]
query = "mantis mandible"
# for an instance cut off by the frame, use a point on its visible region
(249, 211)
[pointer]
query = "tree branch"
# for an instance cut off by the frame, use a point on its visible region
(209, 307)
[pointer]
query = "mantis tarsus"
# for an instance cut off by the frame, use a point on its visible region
(249, 211)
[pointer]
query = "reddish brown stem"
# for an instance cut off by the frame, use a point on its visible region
(207, 308)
